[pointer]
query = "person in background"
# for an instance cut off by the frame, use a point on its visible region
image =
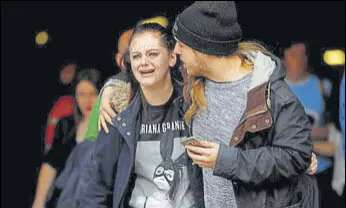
(64, 105)
(123, 44)
(342, 124)
(69, 131)
(342, 111)
(69, 178)
(313, 93)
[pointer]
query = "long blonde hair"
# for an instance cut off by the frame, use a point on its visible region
(194, 89)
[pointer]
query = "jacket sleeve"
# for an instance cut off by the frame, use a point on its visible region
(95, 187)
(288, 156)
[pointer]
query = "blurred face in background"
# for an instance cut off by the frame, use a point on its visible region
(67, 73)
(86, 96)
(296, 60)
(123, 44)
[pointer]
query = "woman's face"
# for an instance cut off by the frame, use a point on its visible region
(150, 59)
(86, 95)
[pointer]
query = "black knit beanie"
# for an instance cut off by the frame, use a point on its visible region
(209, 27)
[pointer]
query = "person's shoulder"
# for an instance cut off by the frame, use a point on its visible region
(314, 77)
(324, 84)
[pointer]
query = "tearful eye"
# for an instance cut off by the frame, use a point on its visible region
(153, 54)
(159, 171)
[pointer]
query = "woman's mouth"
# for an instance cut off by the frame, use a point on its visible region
(146, 72)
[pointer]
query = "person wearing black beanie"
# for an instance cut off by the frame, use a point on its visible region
(209, 27)
(256, 147)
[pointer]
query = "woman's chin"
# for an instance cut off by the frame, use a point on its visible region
(86, 114)
(147, 82)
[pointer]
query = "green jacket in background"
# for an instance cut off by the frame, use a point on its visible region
(92, 130)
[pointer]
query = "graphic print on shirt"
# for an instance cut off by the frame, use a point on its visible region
(161, 162)
(164, 182)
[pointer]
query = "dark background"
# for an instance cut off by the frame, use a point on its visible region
(87, 32)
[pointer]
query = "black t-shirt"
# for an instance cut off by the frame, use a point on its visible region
(161, 161)
(159, 122)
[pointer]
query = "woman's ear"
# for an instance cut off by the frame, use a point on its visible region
(172, 59)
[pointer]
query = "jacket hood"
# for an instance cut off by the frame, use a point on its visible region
(266, 68)
(120, 95)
